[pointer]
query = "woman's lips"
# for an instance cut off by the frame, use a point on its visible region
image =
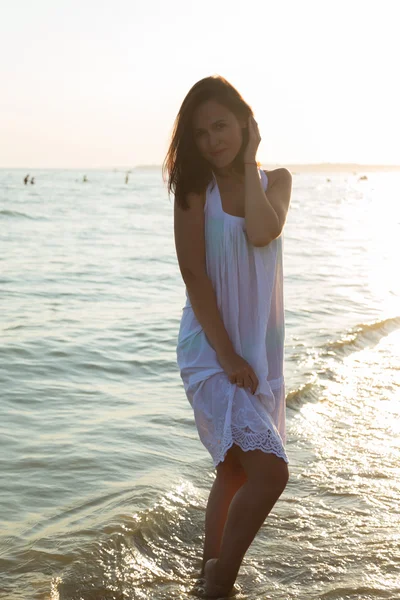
(218, 153)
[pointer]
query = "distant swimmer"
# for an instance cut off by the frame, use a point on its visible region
(26, 179)
(84, 179)
(32, 180)
(126, 178)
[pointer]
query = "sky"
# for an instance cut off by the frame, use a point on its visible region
(98, 84)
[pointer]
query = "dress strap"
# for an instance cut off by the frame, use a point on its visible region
(264, 179)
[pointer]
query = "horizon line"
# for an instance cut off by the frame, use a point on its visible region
(159, 166)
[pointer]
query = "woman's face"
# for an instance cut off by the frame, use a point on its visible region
(217, 133)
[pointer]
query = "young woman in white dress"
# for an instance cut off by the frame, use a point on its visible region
(215, 140)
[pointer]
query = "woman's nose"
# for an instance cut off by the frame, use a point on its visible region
(214, 141)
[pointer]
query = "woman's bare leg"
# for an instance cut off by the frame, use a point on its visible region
(230, 477)
(267, 476)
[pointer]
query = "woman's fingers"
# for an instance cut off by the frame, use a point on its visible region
(254, 380)
(250, 381)
(245, 379)
(252, 386)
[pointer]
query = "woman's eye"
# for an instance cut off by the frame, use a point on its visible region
(198, 134)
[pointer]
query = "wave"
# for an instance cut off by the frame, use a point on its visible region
(308, 392)
(152, 550)
(16, 214)
(361, 336)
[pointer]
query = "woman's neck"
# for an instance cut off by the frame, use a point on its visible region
(228, 173)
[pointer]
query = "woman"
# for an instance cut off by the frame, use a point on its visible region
(229, 217)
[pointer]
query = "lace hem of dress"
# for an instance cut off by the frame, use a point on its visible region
(250, 440)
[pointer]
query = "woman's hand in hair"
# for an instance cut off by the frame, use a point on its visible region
(254, 140)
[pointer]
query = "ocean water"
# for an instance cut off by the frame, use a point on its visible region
(103, 480)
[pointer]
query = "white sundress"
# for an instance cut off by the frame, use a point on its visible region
(248, 283)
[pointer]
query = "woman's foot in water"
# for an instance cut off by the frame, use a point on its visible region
(213, 587)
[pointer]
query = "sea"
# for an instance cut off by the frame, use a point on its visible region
(103, 479)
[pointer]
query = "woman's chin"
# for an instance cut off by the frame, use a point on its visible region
(221, 162)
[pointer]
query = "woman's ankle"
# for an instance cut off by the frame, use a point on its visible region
(223, 577)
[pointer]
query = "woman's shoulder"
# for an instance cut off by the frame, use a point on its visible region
(275, 174)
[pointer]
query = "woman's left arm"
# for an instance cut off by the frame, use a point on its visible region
(279, 195)
(266, 212)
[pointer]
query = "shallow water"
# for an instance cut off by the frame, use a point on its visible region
(104, 481)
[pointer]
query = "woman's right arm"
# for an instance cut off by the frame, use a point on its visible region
(191, 253)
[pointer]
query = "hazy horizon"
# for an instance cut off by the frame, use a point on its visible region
(85, 85)
(299, 166)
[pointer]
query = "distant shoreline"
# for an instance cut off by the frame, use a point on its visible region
(314, 167)
(335, 168)
(293, 168)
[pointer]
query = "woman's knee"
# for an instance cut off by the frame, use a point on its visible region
(266, 469)
(274, 478)
(281, 475)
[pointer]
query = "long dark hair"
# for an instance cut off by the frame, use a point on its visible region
(184, 167)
